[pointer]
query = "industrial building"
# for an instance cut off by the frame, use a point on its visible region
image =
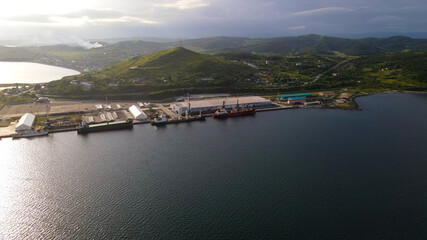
(25, 123)
(213, 104)
(137, 113)
(295, 98)
(286, 96)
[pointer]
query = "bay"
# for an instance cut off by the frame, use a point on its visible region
(291, 174)
(25, 72)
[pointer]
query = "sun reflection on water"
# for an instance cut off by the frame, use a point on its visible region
(11, 176)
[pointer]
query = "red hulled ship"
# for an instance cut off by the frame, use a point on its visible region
(224, 113)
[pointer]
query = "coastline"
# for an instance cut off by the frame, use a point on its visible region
(351, 105)
(50, 67)
(43, 63)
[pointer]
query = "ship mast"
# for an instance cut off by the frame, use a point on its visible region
(47, 113)
(189, 105)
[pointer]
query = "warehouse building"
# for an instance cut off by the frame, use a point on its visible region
(137, 113)
(214, 104)
(295, 95)
(25, 123)
(295, 98)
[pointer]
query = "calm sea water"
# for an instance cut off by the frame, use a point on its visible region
(298, 174)
(24, 72)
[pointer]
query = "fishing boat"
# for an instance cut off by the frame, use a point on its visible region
(159, 120)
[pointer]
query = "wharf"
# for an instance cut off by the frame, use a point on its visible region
(141, 122)
(275, 108)
(62, 130)
(166, 110)
(176, 121)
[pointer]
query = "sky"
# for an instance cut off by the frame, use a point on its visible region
(60, 20)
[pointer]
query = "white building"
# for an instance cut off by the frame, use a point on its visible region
(137, 113)
(114, 84)
(213, 104)
(87, 85)
(25, 123)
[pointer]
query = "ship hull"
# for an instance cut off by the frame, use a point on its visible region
(235, 114)
(30, 135)
(107, 127)
(178, 121)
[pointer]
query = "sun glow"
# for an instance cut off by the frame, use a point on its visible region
(30, 7)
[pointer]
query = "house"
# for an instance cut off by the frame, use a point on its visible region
(114, 84)
(87, 85)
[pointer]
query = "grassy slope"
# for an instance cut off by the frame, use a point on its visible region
(177, 71)
(179, 61)
(399, 71)
(95, 57)
(177, 68)
(112, 53)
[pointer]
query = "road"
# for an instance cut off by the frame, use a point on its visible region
(339, 64)
(166, 110)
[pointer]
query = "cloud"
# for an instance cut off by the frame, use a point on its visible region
(323, 11)
(186, 4)
(302, 27)
(98, 19)
(122, 19)
(81, 17)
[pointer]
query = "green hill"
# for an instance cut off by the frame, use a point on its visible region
(80, 58)
(169, 69)
(83, 59)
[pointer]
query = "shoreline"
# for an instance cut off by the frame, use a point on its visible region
(31, 61)
(62, 68)
(352, 106)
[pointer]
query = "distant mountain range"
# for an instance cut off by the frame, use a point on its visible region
(82, 59)
(308, 44)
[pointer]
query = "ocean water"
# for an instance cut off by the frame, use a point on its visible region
(24, 72)
(291, 174)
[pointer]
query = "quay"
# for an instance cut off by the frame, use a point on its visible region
(64, 116)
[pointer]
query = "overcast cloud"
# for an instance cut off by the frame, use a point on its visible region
(202, 18)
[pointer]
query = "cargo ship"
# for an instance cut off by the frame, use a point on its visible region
(224, 113)
(85, 128)
(163, 121)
